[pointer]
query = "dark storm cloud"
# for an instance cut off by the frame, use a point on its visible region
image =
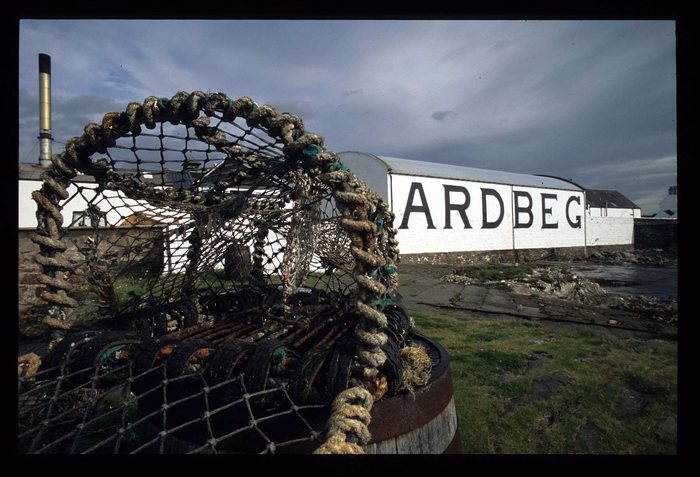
(68, 118)
(441, 115)
(588, 100)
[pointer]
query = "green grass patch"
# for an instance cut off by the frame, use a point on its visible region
(495, 271)
(643, 384)
(503, 400)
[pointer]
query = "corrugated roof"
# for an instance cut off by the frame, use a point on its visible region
(611, 199)
(449, 171)
(32, 172)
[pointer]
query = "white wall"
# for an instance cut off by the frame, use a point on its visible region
(27, 207)
(117, 208)
(609, 231)
(670, 202)
(415, 235)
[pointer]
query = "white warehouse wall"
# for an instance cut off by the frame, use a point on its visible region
(547, 218)
(415, 234)
(424, 226)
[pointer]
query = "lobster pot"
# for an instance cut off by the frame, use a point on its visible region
(242, 275)
(425, 423)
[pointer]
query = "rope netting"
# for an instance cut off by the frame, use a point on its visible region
(227, 277)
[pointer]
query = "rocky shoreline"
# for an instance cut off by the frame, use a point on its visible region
(557, 279)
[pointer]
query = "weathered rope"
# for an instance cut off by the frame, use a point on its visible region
(416, 366)
(365, 218)
(54, 268)
(348, 426)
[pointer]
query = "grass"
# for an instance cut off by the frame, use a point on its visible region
(128, 286)
(493, 381)
(500, 412)
(495, 271)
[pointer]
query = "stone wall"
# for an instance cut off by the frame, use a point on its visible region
(142, 244)
(507, 256)
(656, 233)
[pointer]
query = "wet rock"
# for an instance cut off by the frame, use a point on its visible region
(454, 278)
(653, 257)
(548, 385)
(533, 361)
(632, 405)
(650, 346)
(550, 419)
(649, 307)
(667, 430)
(522, 289)
(541, 389)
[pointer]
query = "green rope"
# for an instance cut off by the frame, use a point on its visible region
(105, 355)
(311, 150)
(189, 103)
(337, 166)
(163, 103)
(280, 360)
(379, 223)
(383, 303)
(277, 307)
(227, 106)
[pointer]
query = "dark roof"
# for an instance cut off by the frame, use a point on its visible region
(32, 172)
(611, 199)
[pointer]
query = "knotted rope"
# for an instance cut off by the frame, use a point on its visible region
(366, 220)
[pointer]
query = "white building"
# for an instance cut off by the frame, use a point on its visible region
(119, 210)
(447, 208)
(439, 208)
(668, 208)
(610, 203)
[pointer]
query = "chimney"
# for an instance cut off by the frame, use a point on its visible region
(45, 110)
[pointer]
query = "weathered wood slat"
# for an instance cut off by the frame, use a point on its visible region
(434, 437)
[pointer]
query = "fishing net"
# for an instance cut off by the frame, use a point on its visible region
(214, 280)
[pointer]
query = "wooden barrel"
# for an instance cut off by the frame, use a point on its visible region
(425, 423)
(422, 423)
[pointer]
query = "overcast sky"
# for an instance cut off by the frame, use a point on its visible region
(591, 101)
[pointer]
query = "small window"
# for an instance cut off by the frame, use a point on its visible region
(78, 219)
(85, 218)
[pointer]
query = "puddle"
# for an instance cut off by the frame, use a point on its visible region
(631, 279)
